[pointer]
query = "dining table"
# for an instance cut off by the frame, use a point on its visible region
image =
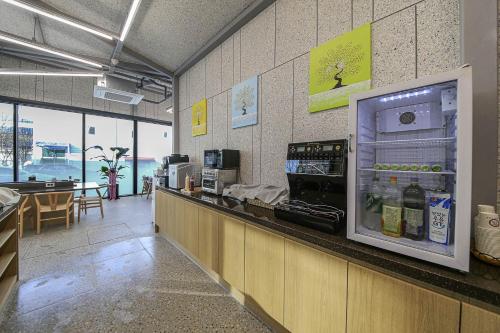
(81, 186)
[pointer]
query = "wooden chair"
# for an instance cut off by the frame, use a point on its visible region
(24, 208)
(53, 203)
(147, 186)
(84, 203)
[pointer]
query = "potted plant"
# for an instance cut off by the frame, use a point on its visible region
(111, 172)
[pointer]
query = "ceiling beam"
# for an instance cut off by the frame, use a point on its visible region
(26, 43)
(140, 58)
(45, 9)
(147, 62)
(33, 55)
(243, 18)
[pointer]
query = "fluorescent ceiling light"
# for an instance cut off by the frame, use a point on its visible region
(46, 49)
(130, 18)
(59, 18)
(42, 73)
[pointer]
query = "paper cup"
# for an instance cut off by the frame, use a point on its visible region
(488, 220)
(485, 209)
(488, 241)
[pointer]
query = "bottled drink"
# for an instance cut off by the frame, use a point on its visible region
(413, 211)
(373, 206)
(392, 210)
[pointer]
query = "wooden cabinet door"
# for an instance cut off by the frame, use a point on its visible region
(265, 270)
(208, 246)
(232, 252)
(178, 227)
(379, 303)
(190, 228)
(170, 216)
(475, 320)
(160, 218)
(315, 290)
(158, 198)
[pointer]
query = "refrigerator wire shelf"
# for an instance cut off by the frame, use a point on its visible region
(430, 173)
(427, 142)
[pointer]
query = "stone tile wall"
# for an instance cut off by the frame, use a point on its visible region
(410, 39)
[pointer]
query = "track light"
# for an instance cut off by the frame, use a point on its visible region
(24, 42)
(46, 73)
(130, 18)
(59, 18)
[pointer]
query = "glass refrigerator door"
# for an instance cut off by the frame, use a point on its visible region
(406, 173)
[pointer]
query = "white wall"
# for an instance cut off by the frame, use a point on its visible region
(409, 39)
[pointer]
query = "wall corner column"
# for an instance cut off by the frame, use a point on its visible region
(479, 48)
(176, 110)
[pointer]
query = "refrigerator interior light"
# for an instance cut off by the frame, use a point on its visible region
(407, 95)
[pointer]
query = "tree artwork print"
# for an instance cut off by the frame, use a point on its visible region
(339, 68)
(199, 118)
(244, 103)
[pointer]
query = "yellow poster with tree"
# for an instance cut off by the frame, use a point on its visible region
(339, 68)
(199, 118)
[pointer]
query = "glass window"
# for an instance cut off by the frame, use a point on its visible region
(107, 133)
(49, 144)
(6, 142)
(154, 141)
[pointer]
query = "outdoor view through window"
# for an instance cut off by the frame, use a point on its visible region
(6, 143)
(49, 145)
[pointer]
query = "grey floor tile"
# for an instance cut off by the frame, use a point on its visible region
(116, 275)
(106, 233)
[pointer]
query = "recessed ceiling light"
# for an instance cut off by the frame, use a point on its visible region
(59, 18)
(130, 18)
(24, 42)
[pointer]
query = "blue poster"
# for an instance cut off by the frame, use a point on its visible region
(245, 103)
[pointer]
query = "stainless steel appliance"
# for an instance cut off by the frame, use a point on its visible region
(177, 173)
(214, 180)
(317, 176)
(221, 159)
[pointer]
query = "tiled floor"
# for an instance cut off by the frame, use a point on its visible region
(115, 275)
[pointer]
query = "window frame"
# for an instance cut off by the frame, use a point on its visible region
(16, 102)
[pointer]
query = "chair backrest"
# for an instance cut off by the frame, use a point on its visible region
(24, 202)
(52, 199)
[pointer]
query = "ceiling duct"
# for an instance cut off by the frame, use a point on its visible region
(150, 81)
(116, 90)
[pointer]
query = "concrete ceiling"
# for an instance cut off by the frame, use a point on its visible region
(167, 32)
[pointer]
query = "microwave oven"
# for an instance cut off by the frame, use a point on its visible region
(221, 159)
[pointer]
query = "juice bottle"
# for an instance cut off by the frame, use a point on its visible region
(392, 210)
(413, 211)
(373, 206)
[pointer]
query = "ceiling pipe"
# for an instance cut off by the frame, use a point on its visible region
(136, 70)
(166, 94)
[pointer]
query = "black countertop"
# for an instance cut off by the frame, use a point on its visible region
(482, 283)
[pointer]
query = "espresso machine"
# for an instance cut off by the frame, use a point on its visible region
(317, 176)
